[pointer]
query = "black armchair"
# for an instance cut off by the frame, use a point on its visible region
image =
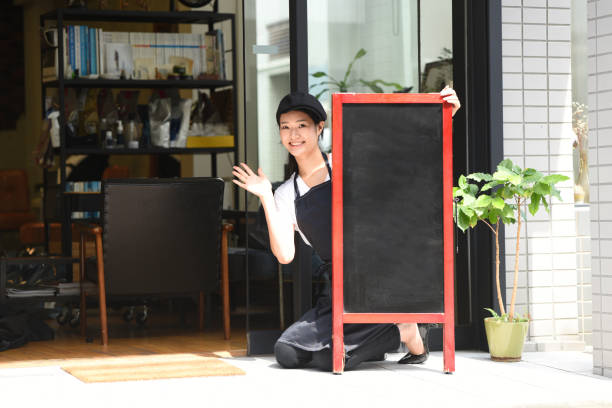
(160, 237)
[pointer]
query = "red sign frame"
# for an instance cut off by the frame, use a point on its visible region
(339, 317)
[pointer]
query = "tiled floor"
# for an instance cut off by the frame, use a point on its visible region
(561, 379)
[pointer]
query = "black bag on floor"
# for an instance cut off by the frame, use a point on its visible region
(17, 329)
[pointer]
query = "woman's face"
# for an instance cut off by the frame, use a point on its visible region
(298, 132)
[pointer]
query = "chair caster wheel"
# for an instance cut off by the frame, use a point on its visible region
(128, 315)
(75, 320)
(141, 317)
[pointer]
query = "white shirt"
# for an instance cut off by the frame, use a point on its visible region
(284, 198)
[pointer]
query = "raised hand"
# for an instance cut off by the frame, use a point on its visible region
(449, 95)
(257, 184)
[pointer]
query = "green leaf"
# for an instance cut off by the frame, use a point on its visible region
(494, 216)
(376, 88)
(482, 201)
(531, 175)
(535, 203)
(493, 312)
(321, 93)
(506, 164)
(467, 211)
(473, 220)
(555, 193)
(504, 174)
(472, 189)
(545, 204)
(541, 188)
(498, 203)
(507, 193)
(462, 182)
(319, 74)
(457, 192)
(480, 177)
(490, 185)
(553, 179)
(359, 54)
(468, 200)
(463, 221)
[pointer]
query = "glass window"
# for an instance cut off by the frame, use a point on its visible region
(378, 46)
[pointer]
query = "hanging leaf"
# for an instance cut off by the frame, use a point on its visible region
(534, 204)
(462, 182)
(480, 177)
(541, 188)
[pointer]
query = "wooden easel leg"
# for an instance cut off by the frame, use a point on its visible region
(201, 311)
(82, 290)
(101, 290)
(449, 347)
(225, 282)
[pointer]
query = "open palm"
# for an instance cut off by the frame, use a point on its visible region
(257, 184)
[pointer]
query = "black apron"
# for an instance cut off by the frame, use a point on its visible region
(312, 332)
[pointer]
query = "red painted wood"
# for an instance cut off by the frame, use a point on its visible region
(337, 238)
(394, 318)
(449, 270)
(339, 317)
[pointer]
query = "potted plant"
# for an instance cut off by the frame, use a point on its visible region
(332, 84)
(498, 198)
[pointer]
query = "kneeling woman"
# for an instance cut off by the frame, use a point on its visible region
(303, 203)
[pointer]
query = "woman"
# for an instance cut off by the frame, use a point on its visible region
(303, 204)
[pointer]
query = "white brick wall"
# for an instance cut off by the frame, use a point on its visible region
(537, 84)
(600, 168)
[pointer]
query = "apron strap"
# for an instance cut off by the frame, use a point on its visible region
(295, 176)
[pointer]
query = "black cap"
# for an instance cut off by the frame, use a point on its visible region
(304, 102)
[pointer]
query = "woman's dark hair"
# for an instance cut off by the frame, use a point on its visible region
(292, 166)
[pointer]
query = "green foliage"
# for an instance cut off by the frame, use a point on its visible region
(506, 318)
(332, 84)
(495, 197)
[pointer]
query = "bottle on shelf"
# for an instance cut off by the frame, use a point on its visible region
(109, 141)
(102, 129)
(132, 135)
(120, 136)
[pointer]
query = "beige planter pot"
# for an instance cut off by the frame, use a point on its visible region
(505, 339)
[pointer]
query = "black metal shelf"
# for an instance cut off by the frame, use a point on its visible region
(129, 16)
(146, 150)
(140, 83)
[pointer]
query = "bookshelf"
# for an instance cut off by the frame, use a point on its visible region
(69, 201)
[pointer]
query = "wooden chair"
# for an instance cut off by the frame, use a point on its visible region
(159, 236)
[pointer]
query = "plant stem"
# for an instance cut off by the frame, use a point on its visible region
(516, 259)
(499, 296)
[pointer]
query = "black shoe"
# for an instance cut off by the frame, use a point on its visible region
(410, 358)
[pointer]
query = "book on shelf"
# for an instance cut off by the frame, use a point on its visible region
(141, 55)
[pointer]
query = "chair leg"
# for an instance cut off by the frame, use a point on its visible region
(101, 289)
(225, 283)
(201, 310)
(82, 290)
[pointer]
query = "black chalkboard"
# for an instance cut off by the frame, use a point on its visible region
(392, 198)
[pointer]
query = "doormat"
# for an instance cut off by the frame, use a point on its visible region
(151, 367)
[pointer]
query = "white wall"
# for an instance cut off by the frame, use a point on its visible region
(536, 51)
(600, 166)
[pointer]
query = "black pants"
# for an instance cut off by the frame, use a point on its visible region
(293, 357)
